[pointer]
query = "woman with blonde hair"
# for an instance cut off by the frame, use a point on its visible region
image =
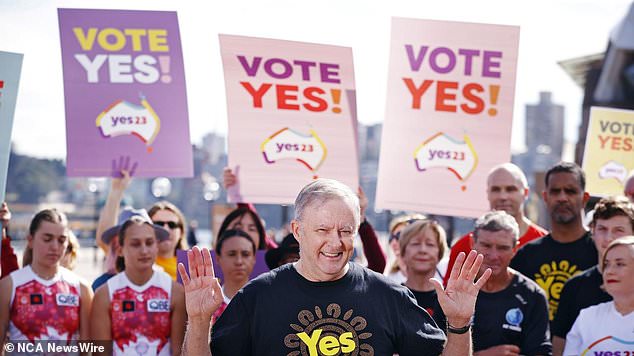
(423, 244)
(608, 327)
(396, 269)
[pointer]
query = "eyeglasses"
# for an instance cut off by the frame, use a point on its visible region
(171, 224)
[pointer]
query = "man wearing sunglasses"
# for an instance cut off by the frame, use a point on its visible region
(507, 190)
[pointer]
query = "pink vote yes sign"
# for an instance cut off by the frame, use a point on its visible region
(449, 114)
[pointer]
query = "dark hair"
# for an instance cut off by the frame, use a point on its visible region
(229, 234)
(120, 262)
(239, 213)
(182, 223)
(50, 215)
(567, 167)
(610, 207)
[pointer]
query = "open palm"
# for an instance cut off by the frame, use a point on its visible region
(458, 299)
(202, 290)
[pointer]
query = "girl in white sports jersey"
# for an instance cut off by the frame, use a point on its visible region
(142, 310)
(45, 301)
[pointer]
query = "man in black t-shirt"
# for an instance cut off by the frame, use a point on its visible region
(613, 218)
(511, 313)
(568, 249)
(324, 304)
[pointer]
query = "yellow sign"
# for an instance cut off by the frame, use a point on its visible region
(609, 152)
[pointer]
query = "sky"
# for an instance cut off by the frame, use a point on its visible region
(550, 31)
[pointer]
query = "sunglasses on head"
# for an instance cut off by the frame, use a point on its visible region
(397, 235)
(170, 224)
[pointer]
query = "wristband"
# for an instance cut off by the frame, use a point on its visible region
(461, 330)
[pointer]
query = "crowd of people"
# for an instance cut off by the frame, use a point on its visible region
(509, 287)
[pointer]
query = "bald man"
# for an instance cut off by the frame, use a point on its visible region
(507, 190)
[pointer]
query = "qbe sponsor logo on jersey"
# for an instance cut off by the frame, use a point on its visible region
(67, 300)
(158, 305)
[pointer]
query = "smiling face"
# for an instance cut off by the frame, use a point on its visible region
(618, 269)
(140, 247)
(325, 235)
(49, 243)
(565, 198)
(421, 252)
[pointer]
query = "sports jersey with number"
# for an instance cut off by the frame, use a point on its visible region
(44, 309)
(140, 315)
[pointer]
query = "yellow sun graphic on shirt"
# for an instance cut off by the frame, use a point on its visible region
(329, 334)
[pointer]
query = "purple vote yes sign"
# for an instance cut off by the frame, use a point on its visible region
(124, 89)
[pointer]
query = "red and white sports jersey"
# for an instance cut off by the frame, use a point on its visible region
(140, 315)
(44, 309)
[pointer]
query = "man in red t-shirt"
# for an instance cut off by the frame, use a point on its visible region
(507, 189)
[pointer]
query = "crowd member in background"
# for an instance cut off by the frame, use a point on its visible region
(167, 215)
(235, 253)
(248, 221)
(511, 312)
(606, 328)
(397, 271)
(507, 190)
(67, 261)
(43, 300)
(423, 244)
(164, 213)
(286, 252)
(8, 258)
(568, 249)
(108, 219)
(141, 309)
(613, 218)
(371, 247)
(192, 240)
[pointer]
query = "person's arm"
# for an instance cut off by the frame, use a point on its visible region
(536, 327)
(85, 306)
(559, 344)
(6, 285)
(371, 247)
(506, 350)
(229, 179)
(100, 323)
(202, 297)
(8, 258)
(110, 211)
(179, 316)
(458, 300)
